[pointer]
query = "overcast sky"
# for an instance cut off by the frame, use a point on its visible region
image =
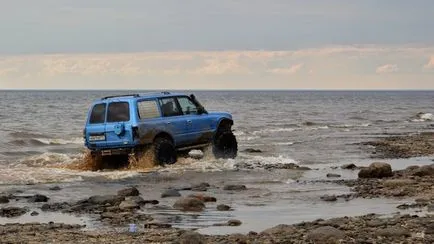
(224, 44)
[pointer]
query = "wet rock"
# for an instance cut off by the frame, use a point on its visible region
(349, 166)
(324, 234)
(280, 229)
(128, 204)
(195, 154)
(136, 199)
(200, 187)
(375, 223)
(170, 193)
(412, 167)
(393, 232)
(53, 207)
(329, 198)
(130, 191)
(223, 207)
(189, 204)
(303, 168)
(426, 170)
(234, 187)
(153, 202)
(34, 213)
(11, 212)
(105, 199)
(156, 225)
(203, 198)
(234, 222)
(252, 150)
(376, 170)
(55, 188)
(191, 237)
(38, 198)
(331, 175)
(4, 199)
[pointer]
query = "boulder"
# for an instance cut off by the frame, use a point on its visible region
(191, 237)
(130, 191)
(325, 234)
(189, 204)
(170, 193)
(349, 166)
(234, 187)
(105, 199)
(223, 207)
(426, 170)
(11, 212)
(376, 170)
(234, 222)
(38, 198)
(34, 213)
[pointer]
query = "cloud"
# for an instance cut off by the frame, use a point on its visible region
(387, 68)
(287, 71)
(430, 64)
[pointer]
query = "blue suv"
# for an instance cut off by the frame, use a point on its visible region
(164, 122)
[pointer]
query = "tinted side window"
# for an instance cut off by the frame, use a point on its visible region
(169, 107)
(148, 109)
(187, 106)
(98, 114)
(118, 112)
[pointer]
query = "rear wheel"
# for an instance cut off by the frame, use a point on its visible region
(225, 145)
(164, 151)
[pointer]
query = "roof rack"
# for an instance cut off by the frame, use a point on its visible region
(126, 95)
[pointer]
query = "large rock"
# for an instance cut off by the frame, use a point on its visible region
(191, 237)
(234, 187)
(426, 170)
(11, 212)
(325, 234)
(170, 193)
(130, 191)
(105, 199)
(376, 170)
(189, 204)
(38, 198)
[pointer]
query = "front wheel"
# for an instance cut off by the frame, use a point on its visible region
(164, 151)
(225, 145)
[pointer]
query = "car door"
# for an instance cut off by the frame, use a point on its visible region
(118, 125)
(199, 125)
(95, 128)
(174, 122)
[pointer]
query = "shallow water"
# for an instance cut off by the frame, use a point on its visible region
(41, 136)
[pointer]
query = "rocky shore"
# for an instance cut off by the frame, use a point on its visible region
(129, 206)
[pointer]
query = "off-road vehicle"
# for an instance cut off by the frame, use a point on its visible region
(163, 122)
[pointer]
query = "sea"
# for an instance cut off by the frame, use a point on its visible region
(41, 133)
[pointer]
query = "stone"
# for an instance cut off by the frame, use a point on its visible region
(426, 170)
(223, 207)
(376, 170)
(397, 182)
(252, 150)
(4, 199)
(189, 204)
(325, 233)
(191, 237)
(329, 198)
(349, 166)
(203, 198)
(234, 187)
(200, 187)
(55, 206)
(156, 225)
(170, 193)
(34, 213)
(280, 229)
(195, 154)
(105, 199)
(130, 191)
(11, 212)
(38, 198)
(128, 204)
(430, 208)
(331, 175)
(393, 232)
(55, 188)
(234, 222)
(136, 199)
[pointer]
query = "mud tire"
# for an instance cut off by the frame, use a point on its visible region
(225, 145)
(164, 151)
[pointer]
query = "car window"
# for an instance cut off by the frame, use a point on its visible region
(118, 112)
(169, 107)
(97, 115)
(187, 106)
(148, 109)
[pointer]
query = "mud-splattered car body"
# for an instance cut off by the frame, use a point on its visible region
(120, 124)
